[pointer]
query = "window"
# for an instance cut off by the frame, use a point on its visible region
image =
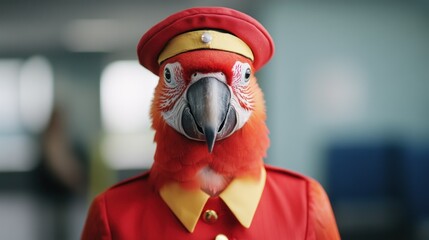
(126, 94)
(26, 99)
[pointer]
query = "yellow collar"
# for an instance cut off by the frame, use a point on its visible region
(241, 196)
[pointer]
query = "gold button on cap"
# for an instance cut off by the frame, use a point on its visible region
(210, 216)
(221, 237)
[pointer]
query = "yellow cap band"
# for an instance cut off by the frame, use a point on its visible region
(205, 39)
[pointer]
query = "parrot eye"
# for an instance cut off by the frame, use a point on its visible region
(173, 75)
(247, 75)
(167, 75)
(242, 72)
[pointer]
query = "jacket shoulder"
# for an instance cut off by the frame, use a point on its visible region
(281, 173)
(306, 193)
(131, 190)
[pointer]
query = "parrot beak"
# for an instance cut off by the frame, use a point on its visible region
(209, 115)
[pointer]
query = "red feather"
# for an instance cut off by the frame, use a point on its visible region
(178, 158)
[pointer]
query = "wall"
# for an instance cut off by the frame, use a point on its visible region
(344, 71)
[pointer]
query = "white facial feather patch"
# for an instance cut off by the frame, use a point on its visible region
(174, 86)
(241, 93)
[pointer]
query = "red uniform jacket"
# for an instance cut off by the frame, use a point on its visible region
(291, 206)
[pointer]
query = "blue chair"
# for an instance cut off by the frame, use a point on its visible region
(363, 189)
(359, 171)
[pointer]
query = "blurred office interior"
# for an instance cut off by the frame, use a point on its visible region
(347, 97)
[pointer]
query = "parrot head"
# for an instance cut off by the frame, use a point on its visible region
(208, 111)
(206, 95)
(209, 115)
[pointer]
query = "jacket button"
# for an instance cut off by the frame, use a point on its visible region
(210, 216)
(221, 237)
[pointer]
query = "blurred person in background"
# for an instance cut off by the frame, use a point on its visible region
(60, 174)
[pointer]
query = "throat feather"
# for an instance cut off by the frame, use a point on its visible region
(212, 182)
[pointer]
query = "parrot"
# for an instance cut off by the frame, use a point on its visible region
(208, 179)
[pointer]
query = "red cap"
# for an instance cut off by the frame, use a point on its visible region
(217, 18)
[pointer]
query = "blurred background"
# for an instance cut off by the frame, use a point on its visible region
(347, 96)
